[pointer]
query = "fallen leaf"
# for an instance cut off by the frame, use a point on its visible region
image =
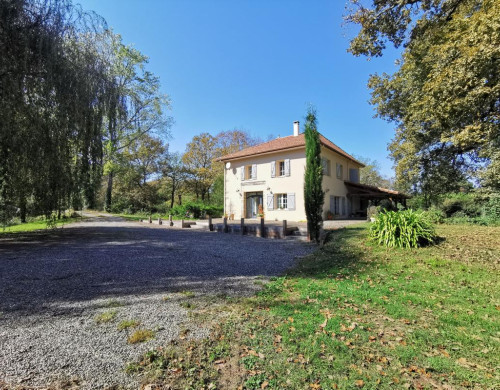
(360, 383)
(264, 384)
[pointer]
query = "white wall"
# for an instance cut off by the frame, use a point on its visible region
(334, 186)
(235, 189)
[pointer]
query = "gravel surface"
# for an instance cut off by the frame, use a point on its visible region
(54, 284)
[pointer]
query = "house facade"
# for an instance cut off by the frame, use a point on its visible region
(270, 177)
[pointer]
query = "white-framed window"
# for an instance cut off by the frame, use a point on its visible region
(281, 168)
(249, 172)
(325, 164)
(340, 171)
(281, 201)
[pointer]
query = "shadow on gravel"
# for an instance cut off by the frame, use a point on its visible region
(41, 270)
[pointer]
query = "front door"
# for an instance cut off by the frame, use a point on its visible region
(253, 201)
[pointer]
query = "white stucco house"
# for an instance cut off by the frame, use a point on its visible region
(271, 174)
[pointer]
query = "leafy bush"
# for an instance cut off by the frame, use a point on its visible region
(434, 215)
(467, 204)
(196, 210)
(491, 209)
(402, 229)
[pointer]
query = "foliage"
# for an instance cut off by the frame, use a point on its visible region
(196, 210)
(140, 336)
(466, 204)
(106, 317)
(370, 174)
(313, 192)
(50, 133)
(435, 215)
(402, 229)
(492, 208)
(444, 96)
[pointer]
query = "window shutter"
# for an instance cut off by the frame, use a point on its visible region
(270, 201)
(332, 204)
(254, 171)
(287, 167)
(242, 173)
(343, 206)
(291, 201)
(273, 168)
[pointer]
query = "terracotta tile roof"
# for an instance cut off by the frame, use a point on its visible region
(284, 143)
(375, 189)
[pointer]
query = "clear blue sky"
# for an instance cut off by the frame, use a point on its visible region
(256, 66)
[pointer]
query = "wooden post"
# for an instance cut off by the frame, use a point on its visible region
(262, 228)
(182, 223)
(225, 225)
(242, 226)
(150, 220)
(159, 221)
(284, 229)
(210, 225)
(171, 220)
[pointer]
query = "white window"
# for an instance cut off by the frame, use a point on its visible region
(340, 171)
(325, 164)
(249, 172)
(281, 201)
(281, 168)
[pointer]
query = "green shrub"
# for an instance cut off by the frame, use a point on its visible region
(491, 210)
(434, 215)
(466, 204)
(196, 210)
(402, 229)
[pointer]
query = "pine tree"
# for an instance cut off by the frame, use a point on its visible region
(313, 192)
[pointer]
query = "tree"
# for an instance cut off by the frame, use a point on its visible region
(445, 96)
(138, 172)
(175, 173)
(370, 174)
(314, 196)
(54, 96)
(138, 107)
(199, 159)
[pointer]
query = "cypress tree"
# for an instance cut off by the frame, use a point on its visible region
(313, 191)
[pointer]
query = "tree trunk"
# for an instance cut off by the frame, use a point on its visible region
(22, 207)
(180, 199)
(172, 197)
(109, 191)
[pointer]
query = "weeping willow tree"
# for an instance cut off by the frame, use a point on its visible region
(64, 94)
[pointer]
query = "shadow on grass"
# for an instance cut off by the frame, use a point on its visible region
(337, 254)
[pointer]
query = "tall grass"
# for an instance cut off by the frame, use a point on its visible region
(402, 229)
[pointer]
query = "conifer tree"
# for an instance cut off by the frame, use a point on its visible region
(313, 192)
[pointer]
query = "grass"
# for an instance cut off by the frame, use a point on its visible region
(126, 324)
(356, 315)
(106, 317)
(140, 336)
(39, 224)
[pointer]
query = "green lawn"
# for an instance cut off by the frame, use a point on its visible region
(354, 315)
(35, 225)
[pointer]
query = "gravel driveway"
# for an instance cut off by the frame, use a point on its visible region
(53, 285)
